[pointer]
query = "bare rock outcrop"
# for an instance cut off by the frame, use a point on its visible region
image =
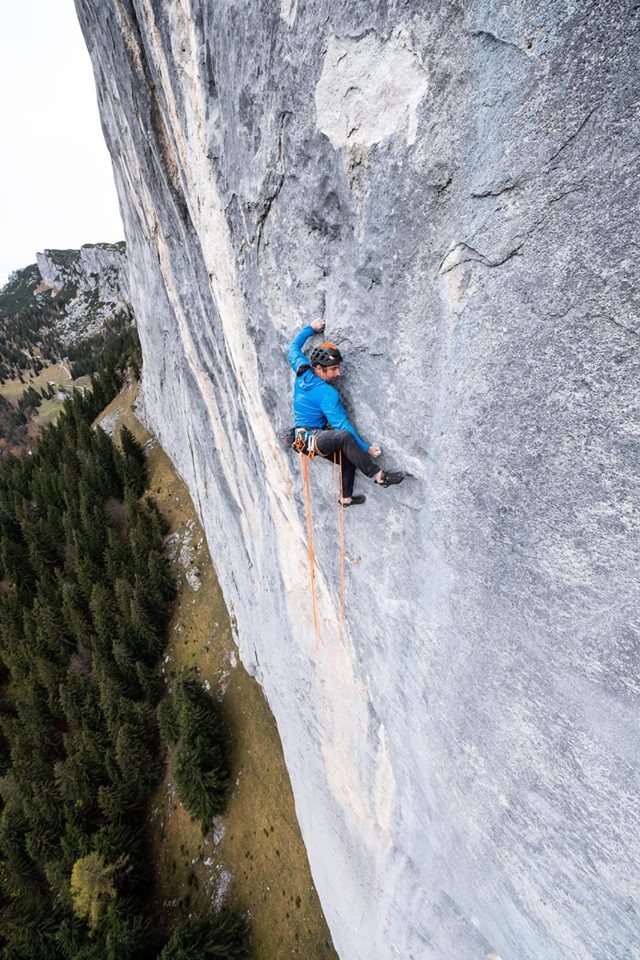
(95, 281)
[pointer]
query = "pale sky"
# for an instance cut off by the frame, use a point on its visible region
(56, 184)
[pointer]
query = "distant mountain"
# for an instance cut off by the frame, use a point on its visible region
(59, 319)
(64, 298)
(94, 282)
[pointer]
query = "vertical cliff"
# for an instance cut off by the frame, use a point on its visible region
(455, 185)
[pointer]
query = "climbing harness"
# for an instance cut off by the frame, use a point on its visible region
(305, 442)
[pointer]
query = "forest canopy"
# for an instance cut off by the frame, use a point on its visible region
(85, 596)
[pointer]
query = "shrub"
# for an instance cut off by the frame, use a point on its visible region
(223, 936)
(200, 767)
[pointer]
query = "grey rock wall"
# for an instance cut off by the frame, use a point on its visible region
(455, 185)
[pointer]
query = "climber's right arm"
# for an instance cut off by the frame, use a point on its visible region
(295, 354)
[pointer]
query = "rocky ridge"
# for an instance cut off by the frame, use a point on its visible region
(95, 281)
(455, 187)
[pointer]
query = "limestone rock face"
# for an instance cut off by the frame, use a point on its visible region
(97, 279)
(454, 186)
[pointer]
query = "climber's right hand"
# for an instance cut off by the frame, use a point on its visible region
(374, 450)
(318, 325)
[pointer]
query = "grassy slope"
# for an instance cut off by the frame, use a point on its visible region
(256, 848)
(58, 372)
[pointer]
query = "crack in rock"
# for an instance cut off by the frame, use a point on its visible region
(494, 39)
(570, 139)
(460, 252)
(497, 191)
(271, 186)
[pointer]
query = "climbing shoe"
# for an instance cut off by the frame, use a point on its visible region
(388, 479)
(359, 498)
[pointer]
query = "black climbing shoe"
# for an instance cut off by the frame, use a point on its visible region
(388, 479)
(359, 498)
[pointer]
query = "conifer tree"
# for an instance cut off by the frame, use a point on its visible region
(16, 567)
(161, 575)
(105, 616)
(107, 460)
(137, 758)
(74, 611)
(150, 681)
(129, 936)
(223, 936)
(145, 635)
(117, 555)
(83, 608)
(134, 462)
(167, 722)
(200, 767)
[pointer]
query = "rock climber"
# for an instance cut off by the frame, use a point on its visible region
(321, 424)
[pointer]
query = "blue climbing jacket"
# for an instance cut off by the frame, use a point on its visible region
(315, 402)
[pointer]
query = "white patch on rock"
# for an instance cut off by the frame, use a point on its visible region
(218, 830)
(369, 90)
(109, 423)
(179, 549)
(222, 682)
(219, 886)
(288, 11)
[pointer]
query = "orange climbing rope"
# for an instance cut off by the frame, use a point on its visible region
(337, 472)
(312, 559)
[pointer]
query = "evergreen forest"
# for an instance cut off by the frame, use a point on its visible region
(85, 597)
(27, 321)
(31, 340)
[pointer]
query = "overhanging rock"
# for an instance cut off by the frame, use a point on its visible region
(456, 187)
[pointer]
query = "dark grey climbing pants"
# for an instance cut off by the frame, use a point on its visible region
(331, 442)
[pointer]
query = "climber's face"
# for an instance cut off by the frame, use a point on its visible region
(330, 374)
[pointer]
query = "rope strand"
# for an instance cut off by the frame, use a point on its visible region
(312, 559)
(337, 470)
